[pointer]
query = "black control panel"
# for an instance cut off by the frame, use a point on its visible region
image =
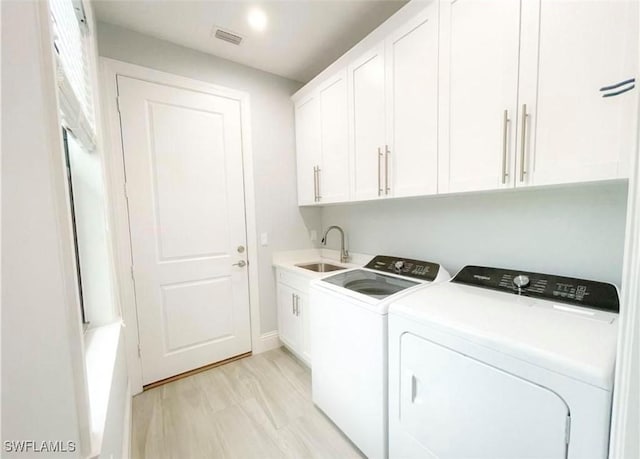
(592, 294)
(417, 269)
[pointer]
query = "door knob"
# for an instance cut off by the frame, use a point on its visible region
(241, 263)
(240, 249)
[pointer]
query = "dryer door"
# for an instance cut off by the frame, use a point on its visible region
(454, 406)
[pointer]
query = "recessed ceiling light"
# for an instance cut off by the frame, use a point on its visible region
(257, 19)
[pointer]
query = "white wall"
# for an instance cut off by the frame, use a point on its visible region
(573, 230)
(43, 387)
(272, 127)
(118, 415)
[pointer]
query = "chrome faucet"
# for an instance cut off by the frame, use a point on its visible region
(344, 254)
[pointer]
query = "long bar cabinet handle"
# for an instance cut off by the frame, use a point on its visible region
(315, 184)
(386, 169)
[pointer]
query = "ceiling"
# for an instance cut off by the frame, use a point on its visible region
(302, 37)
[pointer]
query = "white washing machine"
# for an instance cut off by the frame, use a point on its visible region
(349, 344)
(502, 364)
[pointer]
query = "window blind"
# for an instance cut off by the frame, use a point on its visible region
(73, 69)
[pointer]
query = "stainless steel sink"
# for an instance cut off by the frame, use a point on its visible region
(320, 267)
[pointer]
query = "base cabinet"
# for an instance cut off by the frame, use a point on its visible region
(293, 313)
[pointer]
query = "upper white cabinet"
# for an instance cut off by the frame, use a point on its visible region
(307, 114)
(394, 112)
(466, 95)
(322, 143)
(333, 176)
(573, 131)
(521, 92)
(479, 93)
(368, 115)
(411, 60)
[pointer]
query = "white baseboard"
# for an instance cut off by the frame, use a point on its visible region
(126, 428)
(267, 342)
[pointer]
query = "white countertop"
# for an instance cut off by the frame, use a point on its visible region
(289, 259)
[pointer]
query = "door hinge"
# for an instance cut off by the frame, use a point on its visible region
(118, 103)
(139, 351)
(567, 430)
(126, 193)
(132, 278)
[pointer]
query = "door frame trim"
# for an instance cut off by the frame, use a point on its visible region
(624, 440)
(117, 205)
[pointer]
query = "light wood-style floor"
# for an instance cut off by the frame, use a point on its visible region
(258, 407)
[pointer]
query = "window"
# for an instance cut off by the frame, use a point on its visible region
(88, 218)
(74, 227)
(75, 57)
(74, 77)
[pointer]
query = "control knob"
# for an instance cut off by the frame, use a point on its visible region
(398, 265)
(521, 281)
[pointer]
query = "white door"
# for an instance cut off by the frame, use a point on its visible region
(570, 50)
(479, 86)
(456, 407)
(289, 325)
(412, 105)
(367, 84)
(183, 163)
(308, 149)
(334, 141)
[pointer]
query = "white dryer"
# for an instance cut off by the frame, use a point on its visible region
(502, 364)
(349, 344)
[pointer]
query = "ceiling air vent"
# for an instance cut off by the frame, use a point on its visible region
(228, 36)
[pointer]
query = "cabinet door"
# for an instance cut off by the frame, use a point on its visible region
(569, 51)
(412, 105)
(366, 77)
(307, 114)
(479, 85)
(289, 327)
(334, 140)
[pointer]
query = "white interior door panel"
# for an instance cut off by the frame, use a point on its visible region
(183, 161)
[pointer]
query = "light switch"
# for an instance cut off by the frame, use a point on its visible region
(264, 239)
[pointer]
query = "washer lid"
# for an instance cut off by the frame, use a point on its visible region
(369, 283)
(574, 341)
